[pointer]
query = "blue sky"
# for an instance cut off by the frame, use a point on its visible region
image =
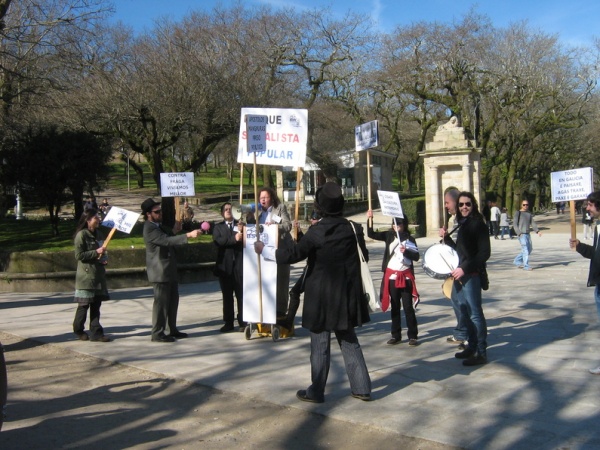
(576, 21)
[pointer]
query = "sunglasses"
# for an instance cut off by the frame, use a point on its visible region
(525, 204)
(467, 204)
(156, 211)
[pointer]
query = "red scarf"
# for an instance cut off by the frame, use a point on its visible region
(401, 277)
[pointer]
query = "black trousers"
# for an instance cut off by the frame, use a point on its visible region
(230, 285)
(403, 297)
(96, 329)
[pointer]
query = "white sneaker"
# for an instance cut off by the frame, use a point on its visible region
(595, 371)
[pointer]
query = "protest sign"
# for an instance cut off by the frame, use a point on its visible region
(390, 204)
(177, 184)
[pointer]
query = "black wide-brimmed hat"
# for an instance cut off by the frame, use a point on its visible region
(329, 199)
(148, 204)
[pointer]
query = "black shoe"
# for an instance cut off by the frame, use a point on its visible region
(101, 339)
(475, 360)
(301, 395)
(227, 328)
(413, 342)
(394, 341)
(179, 335)
(363, 397)
(466, 353)
(82, 336)
(163, 338)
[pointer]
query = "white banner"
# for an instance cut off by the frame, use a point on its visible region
(268, 269)
(177, 184)
(286, 137)
(574, 184)
(121, 219)
(366, 135)
(390, 203)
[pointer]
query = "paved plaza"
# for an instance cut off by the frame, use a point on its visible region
(535, 392)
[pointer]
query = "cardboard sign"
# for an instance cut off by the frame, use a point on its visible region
(390, 203)
(177, 184)
(268, 281)
(366, 135)
(256, 127)
(286, 137)
(121, 219)
(574, 184)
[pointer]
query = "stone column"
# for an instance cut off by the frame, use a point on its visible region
(434, 195)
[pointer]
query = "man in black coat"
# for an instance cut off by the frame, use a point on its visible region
(333, 296)
(592, 252)
(229, 267)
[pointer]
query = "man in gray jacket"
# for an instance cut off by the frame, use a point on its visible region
(523, 222)
(592, 252)
(161, 266)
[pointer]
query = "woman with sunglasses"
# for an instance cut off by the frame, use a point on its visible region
(473, 248)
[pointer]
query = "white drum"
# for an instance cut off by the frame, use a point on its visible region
(439, 261)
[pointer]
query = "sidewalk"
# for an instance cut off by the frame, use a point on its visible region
(535, 392)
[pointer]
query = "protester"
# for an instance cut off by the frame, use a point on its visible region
(229, 267)
(298, 287)
(473, 248)
(272, 211)
(161, 266)
(459, 336)
(398, 286)
(523, 221)
(592, 252)
(186, 216)
(90, 278)
(334, 301)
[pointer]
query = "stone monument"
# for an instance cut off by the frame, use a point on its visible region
(450, 160)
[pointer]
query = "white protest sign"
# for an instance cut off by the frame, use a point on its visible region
(366, 135)
(390, 204)
(286, 137)
(177, 184)
(252, 305)
(256, 127)
(574, 184)
(121, 219)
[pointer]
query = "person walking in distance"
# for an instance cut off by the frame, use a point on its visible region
(161, 266)
(523, 222)
(592, 252)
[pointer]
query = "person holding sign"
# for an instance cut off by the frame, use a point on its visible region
(161, 266)
(592, 252)
(90, 279)
(473, 248)
(398, 286)
(333, 299)
(272, 211)
(523, 222)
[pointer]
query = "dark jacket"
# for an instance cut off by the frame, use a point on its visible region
(389, 236)
(472, 245)
(333, 298)
(161, 260)
(91, 274)
(229, 251)
(591, 252)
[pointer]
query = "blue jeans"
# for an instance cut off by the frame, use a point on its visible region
(504, 230)
(522, 258)
(460, 332)
(468, 294)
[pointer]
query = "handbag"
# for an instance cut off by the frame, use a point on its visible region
(369, 292)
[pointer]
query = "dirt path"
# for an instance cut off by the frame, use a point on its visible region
(62, 399)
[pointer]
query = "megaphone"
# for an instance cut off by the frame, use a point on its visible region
(241, 210)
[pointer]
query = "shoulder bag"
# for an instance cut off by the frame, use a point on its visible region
(369, 292)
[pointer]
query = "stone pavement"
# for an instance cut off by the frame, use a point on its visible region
(535, 392)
